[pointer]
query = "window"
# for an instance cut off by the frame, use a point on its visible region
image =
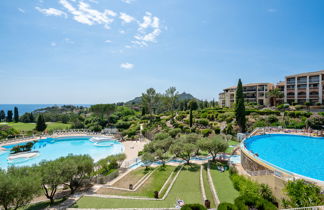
(314, 79)
(302, 80)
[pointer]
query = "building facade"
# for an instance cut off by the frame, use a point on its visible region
(254, 93)
(296, 89)
(305, 87)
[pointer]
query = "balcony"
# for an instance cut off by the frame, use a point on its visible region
(290, 96)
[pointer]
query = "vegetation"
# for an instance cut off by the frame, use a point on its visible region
(41, 124)
(302, 194)
(240, 108)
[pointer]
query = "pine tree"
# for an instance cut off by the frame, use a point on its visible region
(40, 125)
(2, 115)
(240, 108)
(192, 106)
(9, 116)
(16, 115)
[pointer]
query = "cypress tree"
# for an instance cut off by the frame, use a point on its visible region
(16, 115)
(40, 125)
(192, 106)
(9, 116)
(240, 108)
(2, 115)
(31, 117)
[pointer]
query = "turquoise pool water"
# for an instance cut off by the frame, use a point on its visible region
(53, 148)
(298, 154)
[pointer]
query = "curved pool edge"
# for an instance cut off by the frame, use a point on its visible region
(276, 170)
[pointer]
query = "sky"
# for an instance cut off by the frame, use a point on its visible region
(106, 51)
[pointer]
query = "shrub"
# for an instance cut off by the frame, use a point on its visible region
(217, 130)
(193, 207)
(245, 202)
(226, 206)
(206, 132)
(123, 124)
(174, 132)
(272, 119)
(297, 114)
(299, 107)
(315, 122)
(203, 122)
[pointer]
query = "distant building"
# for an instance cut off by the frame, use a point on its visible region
(304, 87)
(298, 88)
(254, 93)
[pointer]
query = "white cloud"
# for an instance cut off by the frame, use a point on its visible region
(127, 65)
(53, 44)
(128, 1)
(128, 46)
(272, 10)
(86, 15)
(122, 32)
(126, 18)
(21, 10)
(108, 41)
(51, 11)
(148, 30)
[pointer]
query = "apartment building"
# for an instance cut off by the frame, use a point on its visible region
(253, 93)
(304, 87)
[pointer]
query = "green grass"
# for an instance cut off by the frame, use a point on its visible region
(41, 205)
(154, 183)
(186, 188)
(209, 194)
(224, 186)
(31, 126)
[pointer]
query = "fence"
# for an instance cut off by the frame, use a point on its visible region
(308, 208)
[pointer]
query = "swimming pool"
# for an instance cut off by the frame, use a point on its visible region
(53, 148)
(301, 155)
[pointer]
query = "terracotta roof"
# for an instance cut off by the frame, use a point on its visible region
(307, 73)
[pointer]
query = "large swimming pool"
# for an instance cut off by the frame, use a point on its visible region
(298, 154)
(53, 148)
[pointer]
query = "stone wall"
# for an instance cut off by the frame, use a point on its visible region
(250, 165)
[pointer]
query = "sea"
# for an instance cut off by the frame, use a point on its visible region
(23, 108)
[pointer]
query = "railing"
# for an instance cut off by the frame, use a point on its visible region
(277, 171)
(307, 208)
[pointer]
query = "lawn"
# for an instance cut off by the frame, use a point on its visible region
(30, 126)
(208, 191)
(154, 183)
(224, 186)
(185, 188)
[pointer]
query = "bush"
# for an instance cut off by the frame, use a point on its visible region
(297, 114)
(299, 107)
(206, 132)
(193, 207)
(315, 122)
(245, 202)
(263, 112)
(217, 130)
(227, 206)
(203, 122)
(123, 125)
(174, 132)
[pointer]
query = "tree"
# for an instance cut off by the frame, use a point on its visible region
(275, 94)
(16, 115)
(52, 176)
(150, 100)
(76, 169)
(18, 186)
(147, 159)
(240, 107)
(302, 194)
(2, 115)
(192, 106)
(41, 124)
(183, 150)
(9, 116)
(160, 155)
(213, 145)
(308, 104)
(103, 110)
(171, 96)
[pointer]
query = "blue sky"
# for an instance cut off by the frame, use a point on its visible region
(104, 51)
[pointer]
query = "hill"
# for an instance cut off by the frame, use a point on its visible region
(183, 96)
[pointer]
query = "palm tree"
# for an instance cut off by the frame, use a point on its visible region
(274, 95)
